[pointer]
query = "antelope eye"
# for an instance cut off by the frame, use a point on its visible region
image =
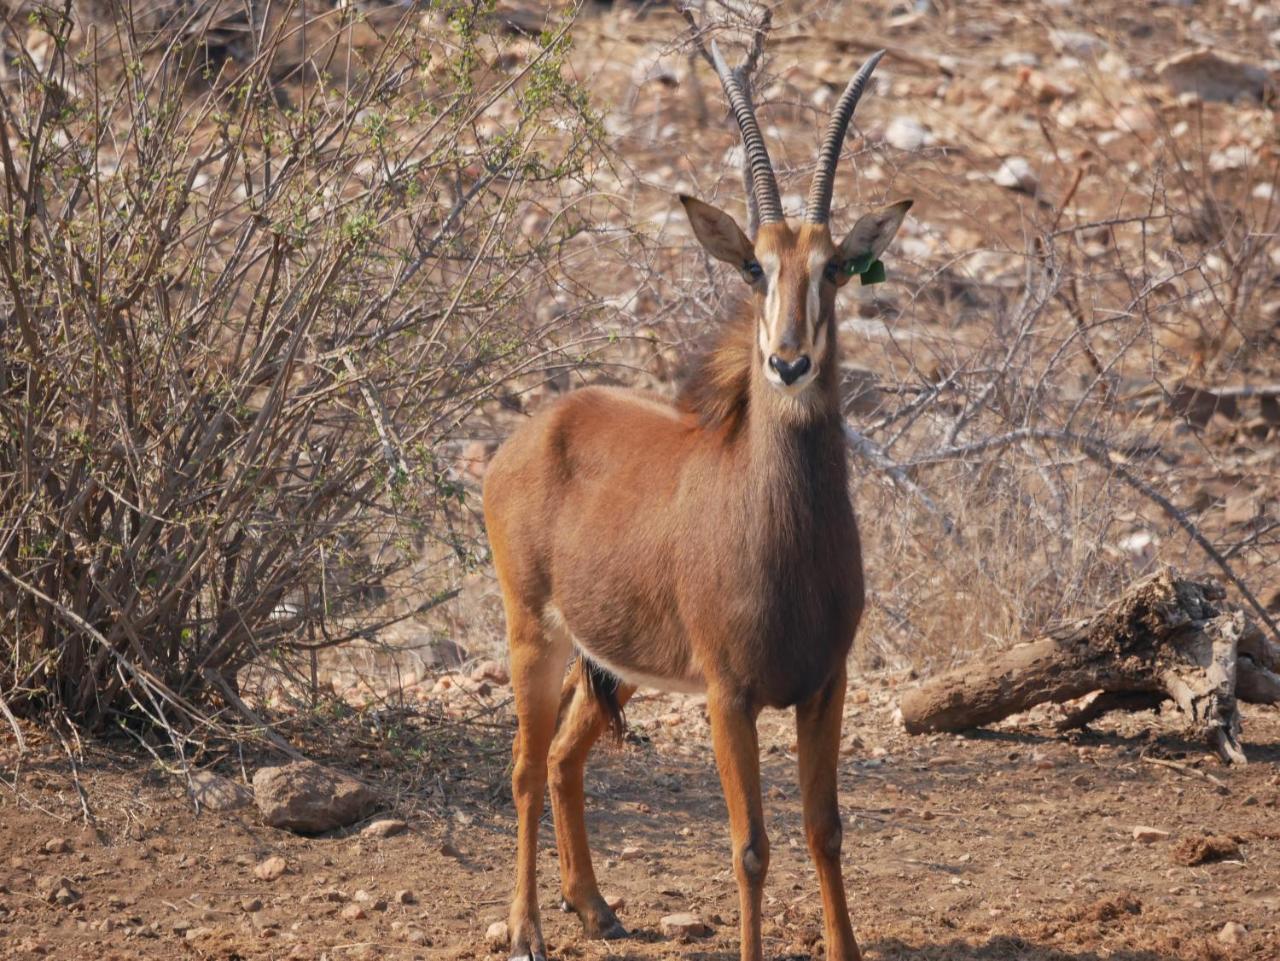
(832, 271)
(753, 270)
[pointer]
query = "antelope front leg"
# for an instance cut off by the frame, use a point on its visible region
(733, 732)
(818, 733)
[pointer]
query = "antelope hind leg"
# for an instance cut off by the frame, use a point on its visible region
(537, 666)
(581, 723)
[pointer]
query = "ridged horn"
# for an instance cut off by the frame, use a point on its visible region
(818, 209)
(764, 187)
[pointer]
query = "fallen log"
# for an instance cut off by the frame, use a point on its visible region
(1165, 638)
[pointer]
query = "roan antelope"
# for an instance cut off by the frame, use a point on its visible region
(708, 545)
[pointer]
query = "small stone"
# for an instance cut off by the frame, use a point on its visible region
(449, 850)
(197, 934)
(616, 902)
(496, 935)
(1077, 43)
(57, 846)
(1019, 58)
(1149, 835)
(250, 905)
(907, 133)
(66, 896)
(490, 671)
(354, 912)
(861, 696)
(683, 925)
(1233, 932)
(405, 896)
(384, 828)
(1016, 174)
(417, 936)
(215, 793)
(362, 896)
(270, 869)
(630, 853)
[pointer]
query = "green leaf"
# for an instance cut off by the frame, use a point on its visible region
(874, 274)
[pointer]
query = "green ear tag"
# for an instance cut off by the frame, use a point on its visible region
(874, 274)
(858, 265)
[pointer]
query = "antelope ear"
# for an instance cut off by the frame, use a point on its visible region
(870, 237)
(718, 233)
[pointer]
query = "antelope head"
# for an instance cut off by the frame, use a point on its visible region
(793, 272)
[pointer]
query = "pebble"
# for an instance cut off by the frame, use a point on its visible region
(631, 853)
(616, 902)
(57, 846)
(353, 912)
(270, 869)
(1077, 43)
(371, 900)
(907, 133)
(683, 925)
(1149, 835)
(496, 935)
(250, 905)
(1016, 174)
(490, 671)
(384, 828)
(1233, 932)
(405, 896)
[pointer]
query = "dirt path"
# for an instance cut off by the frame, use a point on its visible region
(1012, 844)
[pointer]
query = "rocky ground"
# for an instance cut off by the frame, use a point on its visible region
(1013, 843)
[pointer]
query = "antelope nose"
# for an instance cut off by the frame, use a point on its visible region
(791, 371)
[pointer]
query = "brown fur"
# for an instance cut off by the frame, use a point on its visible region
(718, 384)
(708, 542)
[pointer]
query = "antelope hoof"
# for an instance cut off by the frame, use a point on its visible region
(603, 925)
(610, 930)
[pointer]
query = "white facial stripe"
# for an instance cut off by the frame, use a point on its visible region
(817, 270)
(770, 264)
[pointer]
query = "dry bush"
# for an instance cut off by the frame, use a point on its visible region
(256, 275)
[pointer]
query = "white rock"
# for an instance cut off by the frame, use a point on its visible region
(1077, 43)
(1233, 932)
(1019, 58)
(1149, 835)
(907, 133)
(1016, 174)
(384, 828)
(1236, 157)
(631, 853)
(496, 935)
(270, 869)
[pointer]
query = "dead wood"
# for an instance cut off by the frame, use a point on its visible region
(1164, 638)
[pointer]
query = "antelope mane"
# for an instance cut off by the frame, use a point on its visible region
(717, 385)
